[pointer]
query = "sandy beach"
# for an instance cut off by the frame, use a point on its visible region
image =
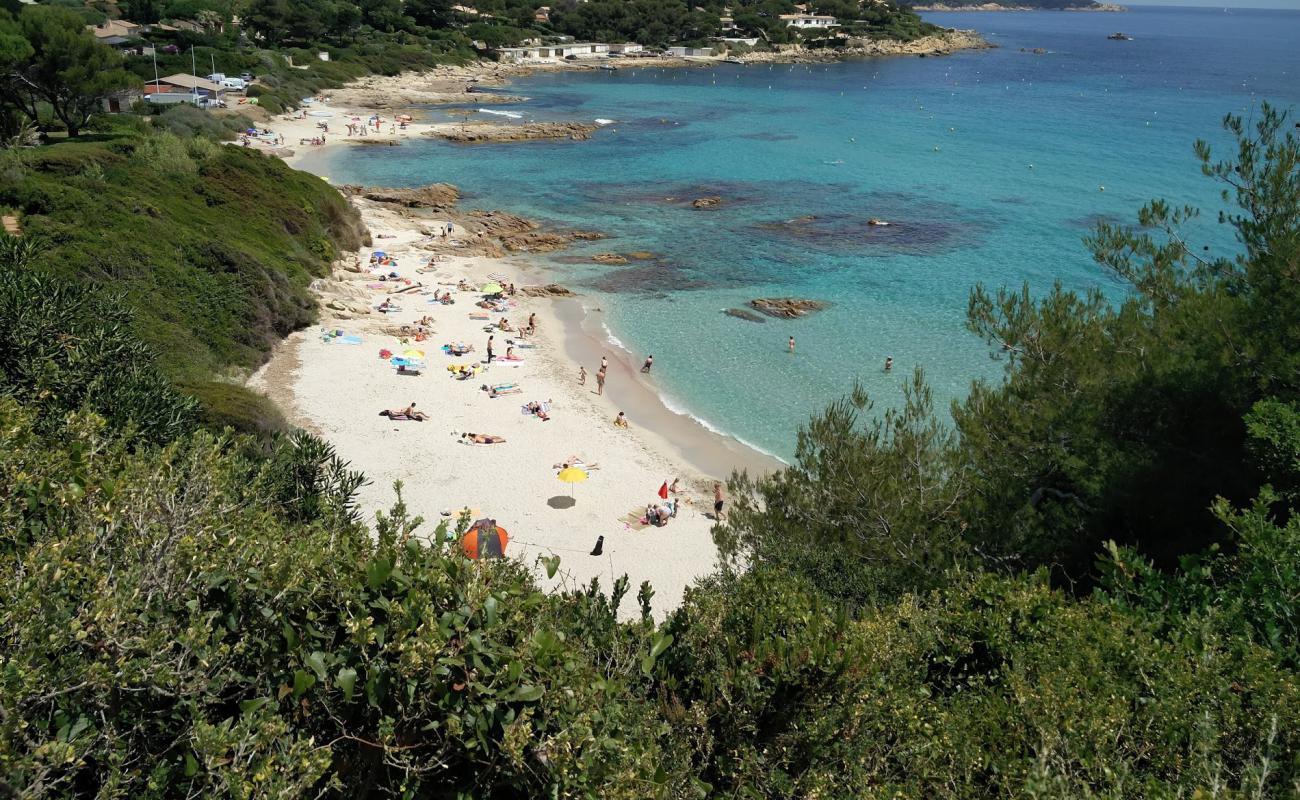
(336, 387)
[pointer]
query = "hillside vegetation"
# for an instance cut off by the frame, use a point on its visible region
(185, 613)
(1086, 587)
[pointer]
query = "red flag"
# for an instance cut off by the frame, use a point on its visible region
(663, 491)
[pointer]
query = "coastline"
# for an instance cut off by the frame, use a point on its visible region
(336, 390)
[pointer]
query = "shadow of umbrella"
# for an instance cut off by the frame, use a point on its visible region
(561, 501)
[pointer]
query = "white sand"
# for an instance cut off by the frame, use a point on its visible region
(336, 390)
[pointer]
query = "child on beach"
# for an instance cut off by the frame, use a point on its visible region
(582, 376)
(621, 420)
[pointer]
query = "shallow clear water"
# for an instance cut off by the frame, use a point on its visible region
(941, 147)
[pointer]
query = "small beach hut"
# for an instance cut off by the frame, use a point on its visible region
(485, 539)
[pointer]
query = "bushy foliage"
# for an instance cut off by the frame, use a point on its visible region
(65, 348)
(213, 253)
(867, 512)
(173, 625)
(988, 687)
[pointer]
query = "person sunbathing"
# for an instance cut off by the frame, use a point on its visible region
(482, 438)
(504, 325)
(538, 410)
(510, 355)
(508, 388)
(405, 413)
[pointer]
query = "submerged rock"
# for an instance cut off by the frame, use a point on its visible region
(707, 202)
(743, 313)
(609, 258)
(497, 132)
(786, 307)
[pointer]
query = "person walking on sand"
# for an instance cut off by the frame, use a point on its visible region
(489, 350)
(604, 363)
(649, 362)
(717, 501)
(532, 322)
(582, 376)
(600, 382)
(791, 344)
(889, 363)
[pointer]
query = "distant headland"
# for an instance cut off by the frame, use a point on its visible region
(1020, 5)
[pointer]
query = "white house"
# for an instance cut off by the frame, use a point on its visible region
(626, 48)
(686, 52)
(809, 21)
(550, 53)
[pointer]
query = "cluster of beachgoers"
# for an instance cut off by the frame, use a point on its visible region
(441, 372)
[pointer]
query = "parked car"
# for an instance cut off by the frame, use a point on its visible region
(217, 77)
(247, 77)
(171, 49)
(237, 84)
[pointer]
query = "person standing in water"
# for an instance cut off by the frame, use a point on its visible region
(791, 344)
(889, 363)
(649, 362)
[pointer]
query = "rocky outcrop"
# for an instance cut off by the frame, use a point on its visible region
(743, 313)
(435, 195)
(549, 290)
(478, 132)
(609, 258)
(786, 307)
(706, 202)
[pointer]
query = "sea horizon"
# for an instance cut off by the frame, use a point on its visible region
(991, 167)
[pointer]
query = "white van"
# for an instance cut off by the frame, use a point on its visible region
(237, 84)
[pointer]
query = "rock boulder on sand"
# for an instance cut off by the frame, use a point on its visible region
(743, 313)
(786, 307)
(549, 290)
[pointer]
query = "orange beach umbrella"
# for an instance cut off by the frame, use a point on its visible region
(485, 539)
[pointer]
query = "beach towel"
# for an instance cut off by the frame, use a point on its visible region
(348, 339)
(546, 409)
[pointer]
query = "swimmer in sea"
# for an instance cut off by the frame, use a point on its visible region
(889, 363)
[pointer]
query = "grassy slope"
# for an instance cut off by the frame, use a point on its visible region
(214, 253)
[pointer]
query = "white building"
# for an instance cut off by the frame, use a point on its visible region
(686, 52)
(550, 53)
(626, 48)
(809, 21)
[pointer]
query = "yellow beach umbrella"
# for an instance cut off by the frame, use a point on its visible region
(572, 475)
(413, 354)
(493, 288)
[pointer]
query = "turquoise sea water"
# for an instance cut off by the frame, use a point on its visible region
(941, 147)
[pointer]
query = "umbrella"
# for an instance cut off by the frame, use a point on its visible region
(485, 539)
(413, 354)
(572, 475)
(493, 288)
